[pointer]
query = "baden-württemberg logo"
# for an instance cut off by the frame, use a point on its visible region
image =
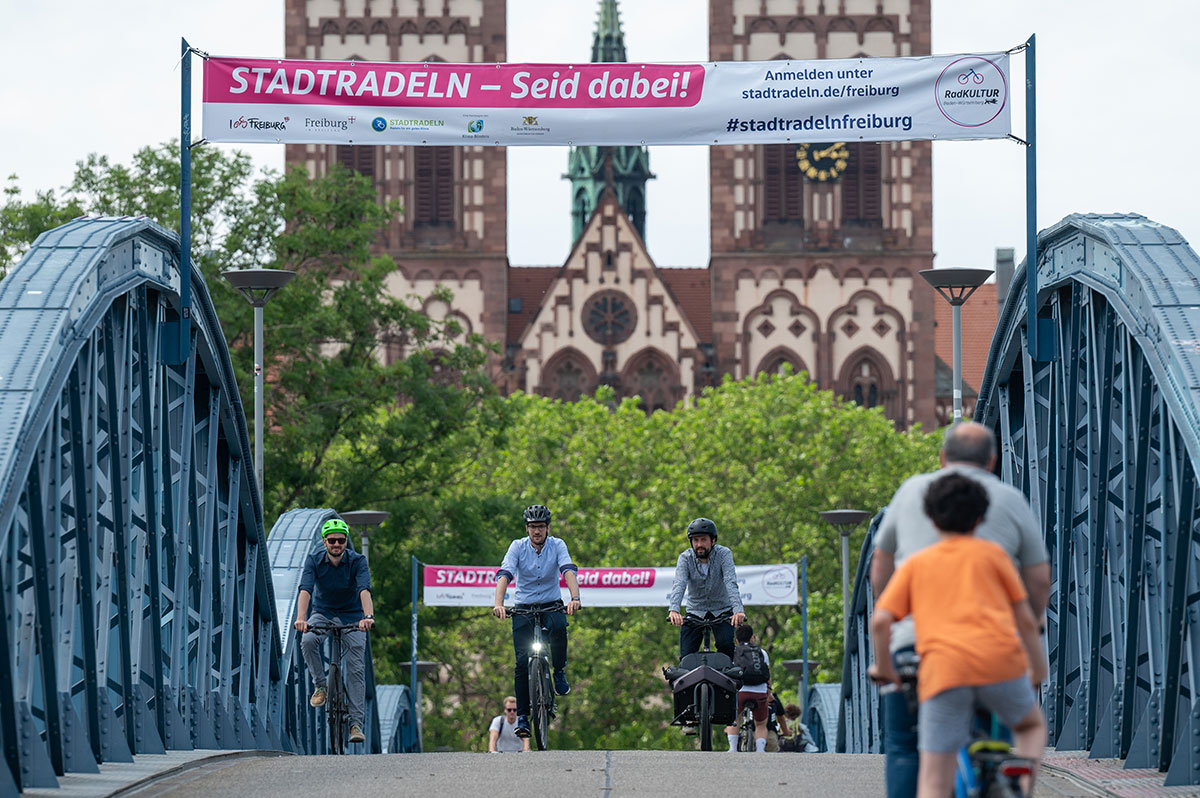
(971, 91)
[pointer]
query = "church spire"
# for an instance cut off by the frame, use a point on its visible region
(623, 169)
(608, 45)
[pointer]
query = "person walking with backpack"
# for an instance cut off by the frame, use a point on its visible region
(756, 686)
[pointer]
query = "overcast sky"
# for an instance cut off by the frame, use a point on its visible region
(1116, 108)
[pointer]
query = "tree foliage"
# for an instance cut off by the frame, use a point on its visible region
(760, 457)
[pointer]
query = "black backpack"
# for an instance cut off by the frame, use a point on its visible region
(755, 669)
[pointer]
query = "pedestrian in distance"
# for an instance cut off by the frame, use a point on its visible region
(502, 734)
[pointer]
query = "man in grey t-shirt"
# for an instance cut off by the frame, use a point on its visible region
(969, 449)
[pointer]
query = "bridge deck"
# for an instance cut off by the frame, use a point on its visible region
(604, 773)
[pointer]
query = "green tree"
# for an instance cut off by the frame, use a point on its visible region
(21, 222)
(761, 457)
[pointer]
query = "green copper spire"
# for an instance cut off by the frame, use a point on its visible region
(623, 169)
(609, 42)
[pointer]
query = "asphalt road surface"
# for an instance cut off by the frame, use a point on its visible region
(607, 774)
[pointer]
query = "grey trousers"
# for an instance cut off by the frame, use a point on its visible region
(354, 649)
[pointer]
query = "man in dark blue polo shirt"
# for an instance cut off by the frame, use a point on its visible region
(337, 583)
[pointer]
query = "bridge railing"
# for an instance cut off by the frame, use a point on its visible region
(137, 609)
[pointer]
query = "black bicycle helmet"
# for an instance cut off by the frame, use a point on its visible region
(537, 514)
(702, 526)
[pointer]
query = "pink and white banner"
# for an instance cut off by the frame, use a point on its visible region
(740, 102)
(475, 586)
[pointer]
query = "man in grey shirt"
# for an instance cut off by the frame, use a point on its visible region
(707, 572)
(969, 449)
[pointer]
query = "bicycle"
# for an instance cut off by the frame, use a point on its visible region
(337, 698)
(704, 693)
(986, 767)
(746, 726)
(542, 706)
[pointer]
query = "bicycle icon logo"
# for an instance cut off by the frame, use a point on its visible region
(970, 74)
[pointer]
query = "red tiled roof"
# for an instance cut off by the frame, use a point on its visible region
(529, 284)
(980, 315)
(693, 293)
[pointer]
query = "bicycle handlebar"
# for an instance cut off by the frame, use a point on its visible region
(322, 629)
(529, 611)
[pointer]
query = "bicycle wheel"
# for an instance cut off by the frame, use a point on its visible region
(539, 701)
(746, 731)
(334, 711)
(704, 713)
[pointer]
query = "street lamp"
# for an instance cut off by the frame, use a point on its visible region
(956, 286)
(845, 521)
(366, 522)
(423, 667)
(258, 286)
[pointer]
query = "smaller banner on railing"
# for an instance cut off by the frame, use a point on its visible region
(475, 586)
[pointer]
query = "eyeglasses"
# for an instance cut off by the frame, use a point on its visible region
(336, 541)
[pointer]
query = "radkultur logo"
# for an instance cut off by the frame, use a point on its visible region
(971, 91)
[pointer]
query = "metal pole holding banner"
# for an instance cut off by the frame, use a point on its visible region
(185, 205)
(412, 675)
(1031, 320)
(804, 637)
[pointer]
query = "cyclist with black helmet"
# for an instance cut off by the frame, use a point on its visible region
(535, 563)
(706, 571)
(337, 584)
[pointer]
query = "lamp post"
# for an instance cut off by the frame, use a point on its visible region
(956, 286)
(258, 286)
(845, 521)
(422, 667)
(366, 522)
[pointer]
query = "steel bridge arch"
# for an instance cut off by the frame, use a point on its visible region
(1104, 438)
(138, 610)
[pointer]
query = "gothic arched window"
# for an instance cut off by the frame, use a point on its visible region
(568, 376)
(653, 378)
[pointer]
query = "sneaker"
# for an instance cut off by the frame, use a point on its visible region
(318, 697)
(523, 729)
(356, 734)
(560, 682)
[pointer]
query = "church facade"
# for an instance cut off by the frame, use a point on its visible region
(816, 270)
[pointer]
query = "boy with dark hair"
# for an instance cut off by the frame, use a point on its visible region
(755, 689)
(976, 634)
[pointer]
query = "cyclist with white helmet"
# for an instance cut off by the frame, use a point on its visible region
(337, 584)
(535, 563)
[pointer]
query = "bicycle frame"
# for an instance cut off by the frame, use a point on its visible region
(543, 707)
(337, 702)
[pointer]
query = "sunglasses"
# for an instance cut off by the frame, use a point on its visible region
(508, 709)
(336, 541)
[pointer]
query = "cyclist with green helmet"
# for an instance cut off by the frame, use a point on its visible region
(337, 584)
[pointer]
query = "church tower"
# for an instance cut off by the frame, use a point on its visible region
(624, 169)
(819, 269)
(453, 229)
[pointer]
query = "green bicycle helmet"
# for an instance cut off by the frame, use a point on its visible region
(334, 525)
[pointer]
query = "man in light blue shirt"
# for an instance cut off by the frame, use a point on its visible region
(535, 563)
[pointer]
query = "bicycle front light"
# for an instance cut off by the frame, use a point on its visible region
(537, 646)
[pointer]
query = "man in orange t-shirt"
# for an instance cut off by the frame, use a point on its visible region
(976, 634)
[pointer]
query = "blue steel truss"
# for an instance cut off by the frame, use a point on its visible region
(137, 603)
(1105, 440)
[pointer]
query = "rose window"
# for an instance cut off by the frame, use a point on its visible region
(609, 317)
